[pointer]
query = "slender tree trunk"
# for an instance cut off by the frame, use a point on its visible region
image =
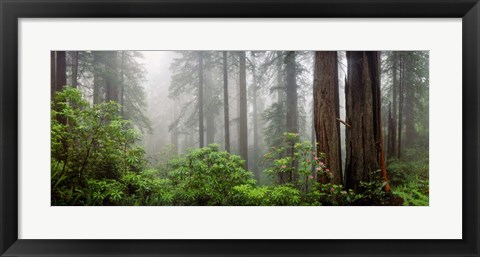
(255, 119)
(392, 131)
(400, 109)
(280, 85)
(53, 74)
(226, 118)
(292, 98)
(208, 109)
(122, 89)
(326, 111)
(111, 80)
(61, 71)
(281, 89)
(364, 137)
(60, 81)
(209, 113)
(408, 88)
(200, 99)
(243, 132)
(292, 104)
(75, 69)
(96, 78)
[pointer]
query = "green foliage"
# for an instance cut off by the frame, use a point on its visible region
(409, 177)
(162, 160)
(331, 195)
(131, 189)
(297, 160)
(95, 159)
(274, 117)
(146, 188)
(184, 82)
(89, 142)
(104, 192)
(372, 193)
(249, 195)
(206, 176)
(415, 192)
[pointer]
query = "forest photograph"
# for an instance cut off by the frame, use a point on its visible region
(239, 128)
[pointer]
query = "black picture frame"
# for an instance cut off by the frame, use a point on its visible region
(12, 10)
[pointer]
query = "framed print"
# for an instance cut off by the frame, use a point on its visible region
(319, 128)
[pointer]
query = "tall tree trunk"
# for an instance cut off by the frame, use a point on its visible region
(280, 85)
(226, 118)
(61, 71)
(53, 74)
(96, 77)
(122, 88)
(408, 88)
(255, 119)
(200, 99)
(243, 132)
(282, 177)
(364, 137)
(313, 140)
(75, 69)
(326, 111)
(292, 105)
(292, 97)
(60, 74)
(111, 80)
(400, 108)
(208, 108)
(392, 131)
(377, 115)
(281, 90)
(209, 114)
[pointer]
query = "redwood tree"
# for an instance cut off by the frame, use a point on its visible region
(74, 59)
(392, 123)
(200, 99)
(400, 108)
(59, 71)
(292, 106)
(225, 102)
(243, 132)
(326, 111)
(255, 122)
(111, 78)
(364, 146)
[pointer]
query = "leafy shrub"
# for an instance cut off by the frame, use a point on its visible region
(331, 195)
(104, 192)
(89, 143)
(250, 195)
(206, 176)
(146, 188)
(372, 193)
(299, 167)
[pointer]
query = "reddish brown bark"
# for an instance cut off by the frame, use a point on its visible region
(326, 111)
(364, 138)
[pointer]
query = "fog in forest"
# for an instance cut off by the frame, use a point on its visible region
(361, 116)
(165, 109)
